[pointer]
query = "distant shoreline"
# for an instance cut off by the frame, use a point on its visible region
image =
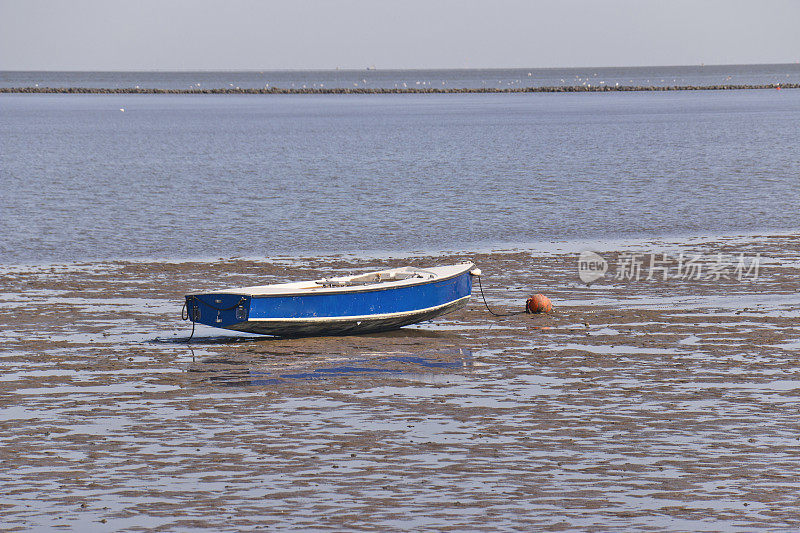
(365, 90)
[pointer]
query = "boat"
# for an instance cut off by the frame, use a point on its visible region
(363, 303)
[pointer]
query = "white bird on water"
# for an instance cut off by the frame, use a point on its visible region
(122, 109)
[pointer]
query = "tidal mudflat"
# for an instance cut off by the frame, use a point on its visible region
(651, 404)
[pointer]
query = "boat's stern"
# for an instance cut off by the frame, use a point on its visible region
(220, 310)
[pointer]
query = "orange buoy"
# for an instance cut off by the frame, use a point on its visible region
(538, 303)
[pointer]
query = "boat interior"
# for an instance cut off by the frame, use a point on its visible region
(395, 274)
(398, 277)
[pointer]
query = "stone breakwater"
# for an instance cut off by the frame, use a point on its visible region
(366, 90)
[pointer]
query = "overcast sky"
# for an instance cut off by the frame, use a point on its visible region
(306, 34)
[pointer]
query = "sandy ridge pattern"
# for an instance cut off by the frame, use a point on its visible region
(650, 404)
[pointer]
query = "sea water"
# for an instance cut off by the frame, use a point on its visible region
(178, 176)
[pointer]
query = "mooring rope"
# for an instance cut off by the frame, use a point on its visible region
(480, 285)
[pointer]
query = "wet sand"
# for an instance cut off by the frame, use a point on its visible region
(637, 405)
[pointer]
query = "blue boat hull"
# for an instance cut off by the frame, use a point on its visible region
(332, 313)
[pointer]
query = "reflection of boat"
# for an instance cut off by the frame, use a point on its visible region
(243, 372)
(375, 301)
